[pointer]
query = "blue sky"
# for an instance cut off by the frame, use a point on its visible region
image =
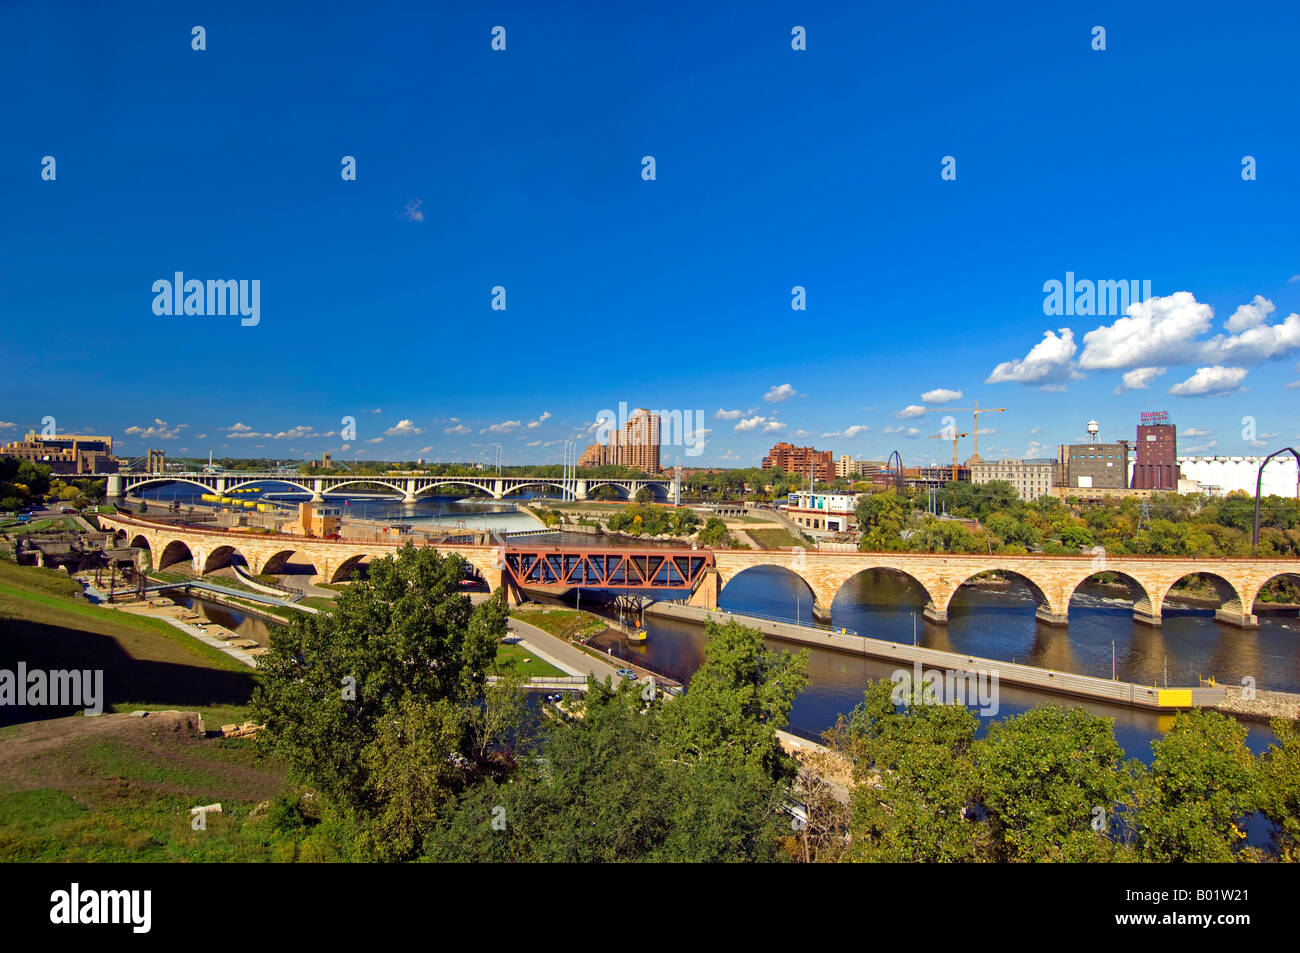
(522, 169)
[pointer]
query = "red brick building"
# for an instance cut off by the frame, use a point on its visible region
(801, 461)
(1156, 465)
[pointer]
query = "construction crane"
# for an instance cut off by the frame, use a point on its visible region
(954, 437)
(976, 410)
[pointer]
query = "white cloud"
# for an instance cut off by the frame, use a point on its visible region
(1036, 449)
(749, 423)
(1196, 432)
(506, 426)
(1163, 331)
(402, 428)
(7, 425)
(728, 414)
(296, 433)
(908, 432)
(423, 450)
(779, 393)
(1047, 361)
(459, 428)
(849, 432)
(546, 415)
(1139, 378)
(1153, 332)
(773, 426)
(911, 410)
(412, 211)
(375, 440)
(533, 443)
(1294, 385)
(1211, 382)
(940, 395)
(158, 430)
(1250, 315)
(239, 428)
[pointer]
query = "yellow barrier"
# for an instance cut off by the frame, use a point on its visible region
(1174, 698)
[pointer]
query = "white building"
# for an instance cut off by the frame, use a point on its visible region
(829, 512)
(1222, 475)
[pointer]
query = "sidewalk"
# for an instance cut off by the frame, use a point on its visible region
(561, 654)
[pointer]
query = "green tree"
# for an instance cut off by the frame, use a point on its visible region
(1049, 779)
(353, 697)
(1200, 789)
(1279, 781)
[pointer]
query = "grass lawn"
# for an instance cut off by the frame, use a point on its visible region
(775, 538)
(515, 655)
(115, 787)
(146, 662)
(316, 602)
(564, 623)
(119, 788)
(61, 524)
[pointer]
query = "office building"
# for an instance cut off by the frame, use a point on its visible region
(846, 466)
(65, 453)
(827, 512)
(1031, 478)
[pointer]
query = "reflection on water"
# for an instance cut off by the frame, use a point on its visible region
(247, 626)
(998, 625)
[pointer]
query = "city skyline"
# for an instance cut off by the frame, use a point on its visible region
(776, 170)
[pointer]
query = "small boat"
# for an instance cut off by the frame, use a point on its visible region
(636, 634)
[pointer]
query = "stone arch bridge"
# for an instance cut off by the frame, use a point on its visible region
(1053, 579)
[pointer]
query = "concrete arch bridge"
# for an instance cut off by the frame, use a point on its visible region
(410, 488)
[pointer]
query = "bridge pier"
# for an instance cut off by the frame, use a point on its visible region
(1048, 616)
(706, 590)
(932, 613)
(113, 486)
(1234, 613)
(821, 612)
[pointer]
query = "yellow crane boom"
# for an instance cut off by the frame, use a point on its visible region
(976, 411)
(955, 438)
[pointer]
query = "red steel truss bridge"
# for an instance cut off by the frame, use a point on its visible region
(607, 568)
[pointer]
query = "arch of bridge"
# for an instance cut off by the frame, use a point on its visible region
(1055, 577)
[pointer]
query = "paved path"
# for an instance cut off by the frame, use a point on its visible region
(561, 654)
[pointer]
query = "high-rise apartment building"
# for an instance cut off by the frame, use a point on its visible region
(801, 461)
(635, 445)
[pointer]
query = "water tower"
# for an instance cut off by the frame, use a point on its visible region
(1093, 429)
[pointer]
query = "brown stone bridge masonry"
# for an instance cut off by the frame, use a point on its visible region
(1053, 578)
